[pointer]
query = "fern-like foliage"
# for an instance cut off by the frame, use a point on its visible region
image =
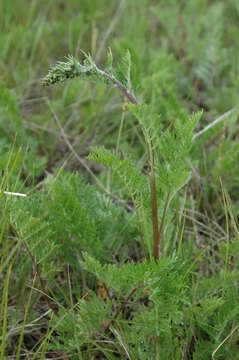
(163, 286)
(174, 148)
(72, 68)
(68, 217)
(135, 182)
(167, 151)
(88, 70)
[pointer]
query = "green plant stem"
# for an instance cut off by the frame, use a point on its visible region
(130, 96)
(121, 126)
(161, 229)
(4, 307)
(154, 204)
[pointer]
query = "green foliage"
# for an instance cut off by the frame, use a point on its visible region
(77, 272)
(67, 218)
(71, 69)
(174, 149)
(88, 70)
(12, 130)
(87, 220)
(125, 169)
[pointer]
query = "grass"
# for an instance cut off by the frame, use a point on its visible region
(78, 275)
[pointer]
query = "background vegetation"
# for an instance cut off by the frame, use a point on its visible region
(75, 279)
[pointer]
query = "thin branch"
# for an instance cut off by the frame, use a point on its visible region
(118, 336)
(215, 122)
(223, 342)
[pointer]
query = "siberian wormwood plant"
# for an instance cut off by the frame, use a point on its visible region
(167, 150)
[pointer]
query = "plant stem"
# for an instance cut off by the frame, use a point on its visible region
(121, 126)
(130, 96)
(161, 230)
(153, 202)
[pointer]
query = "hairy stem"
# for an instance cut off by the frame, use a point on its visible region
(130, 96)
